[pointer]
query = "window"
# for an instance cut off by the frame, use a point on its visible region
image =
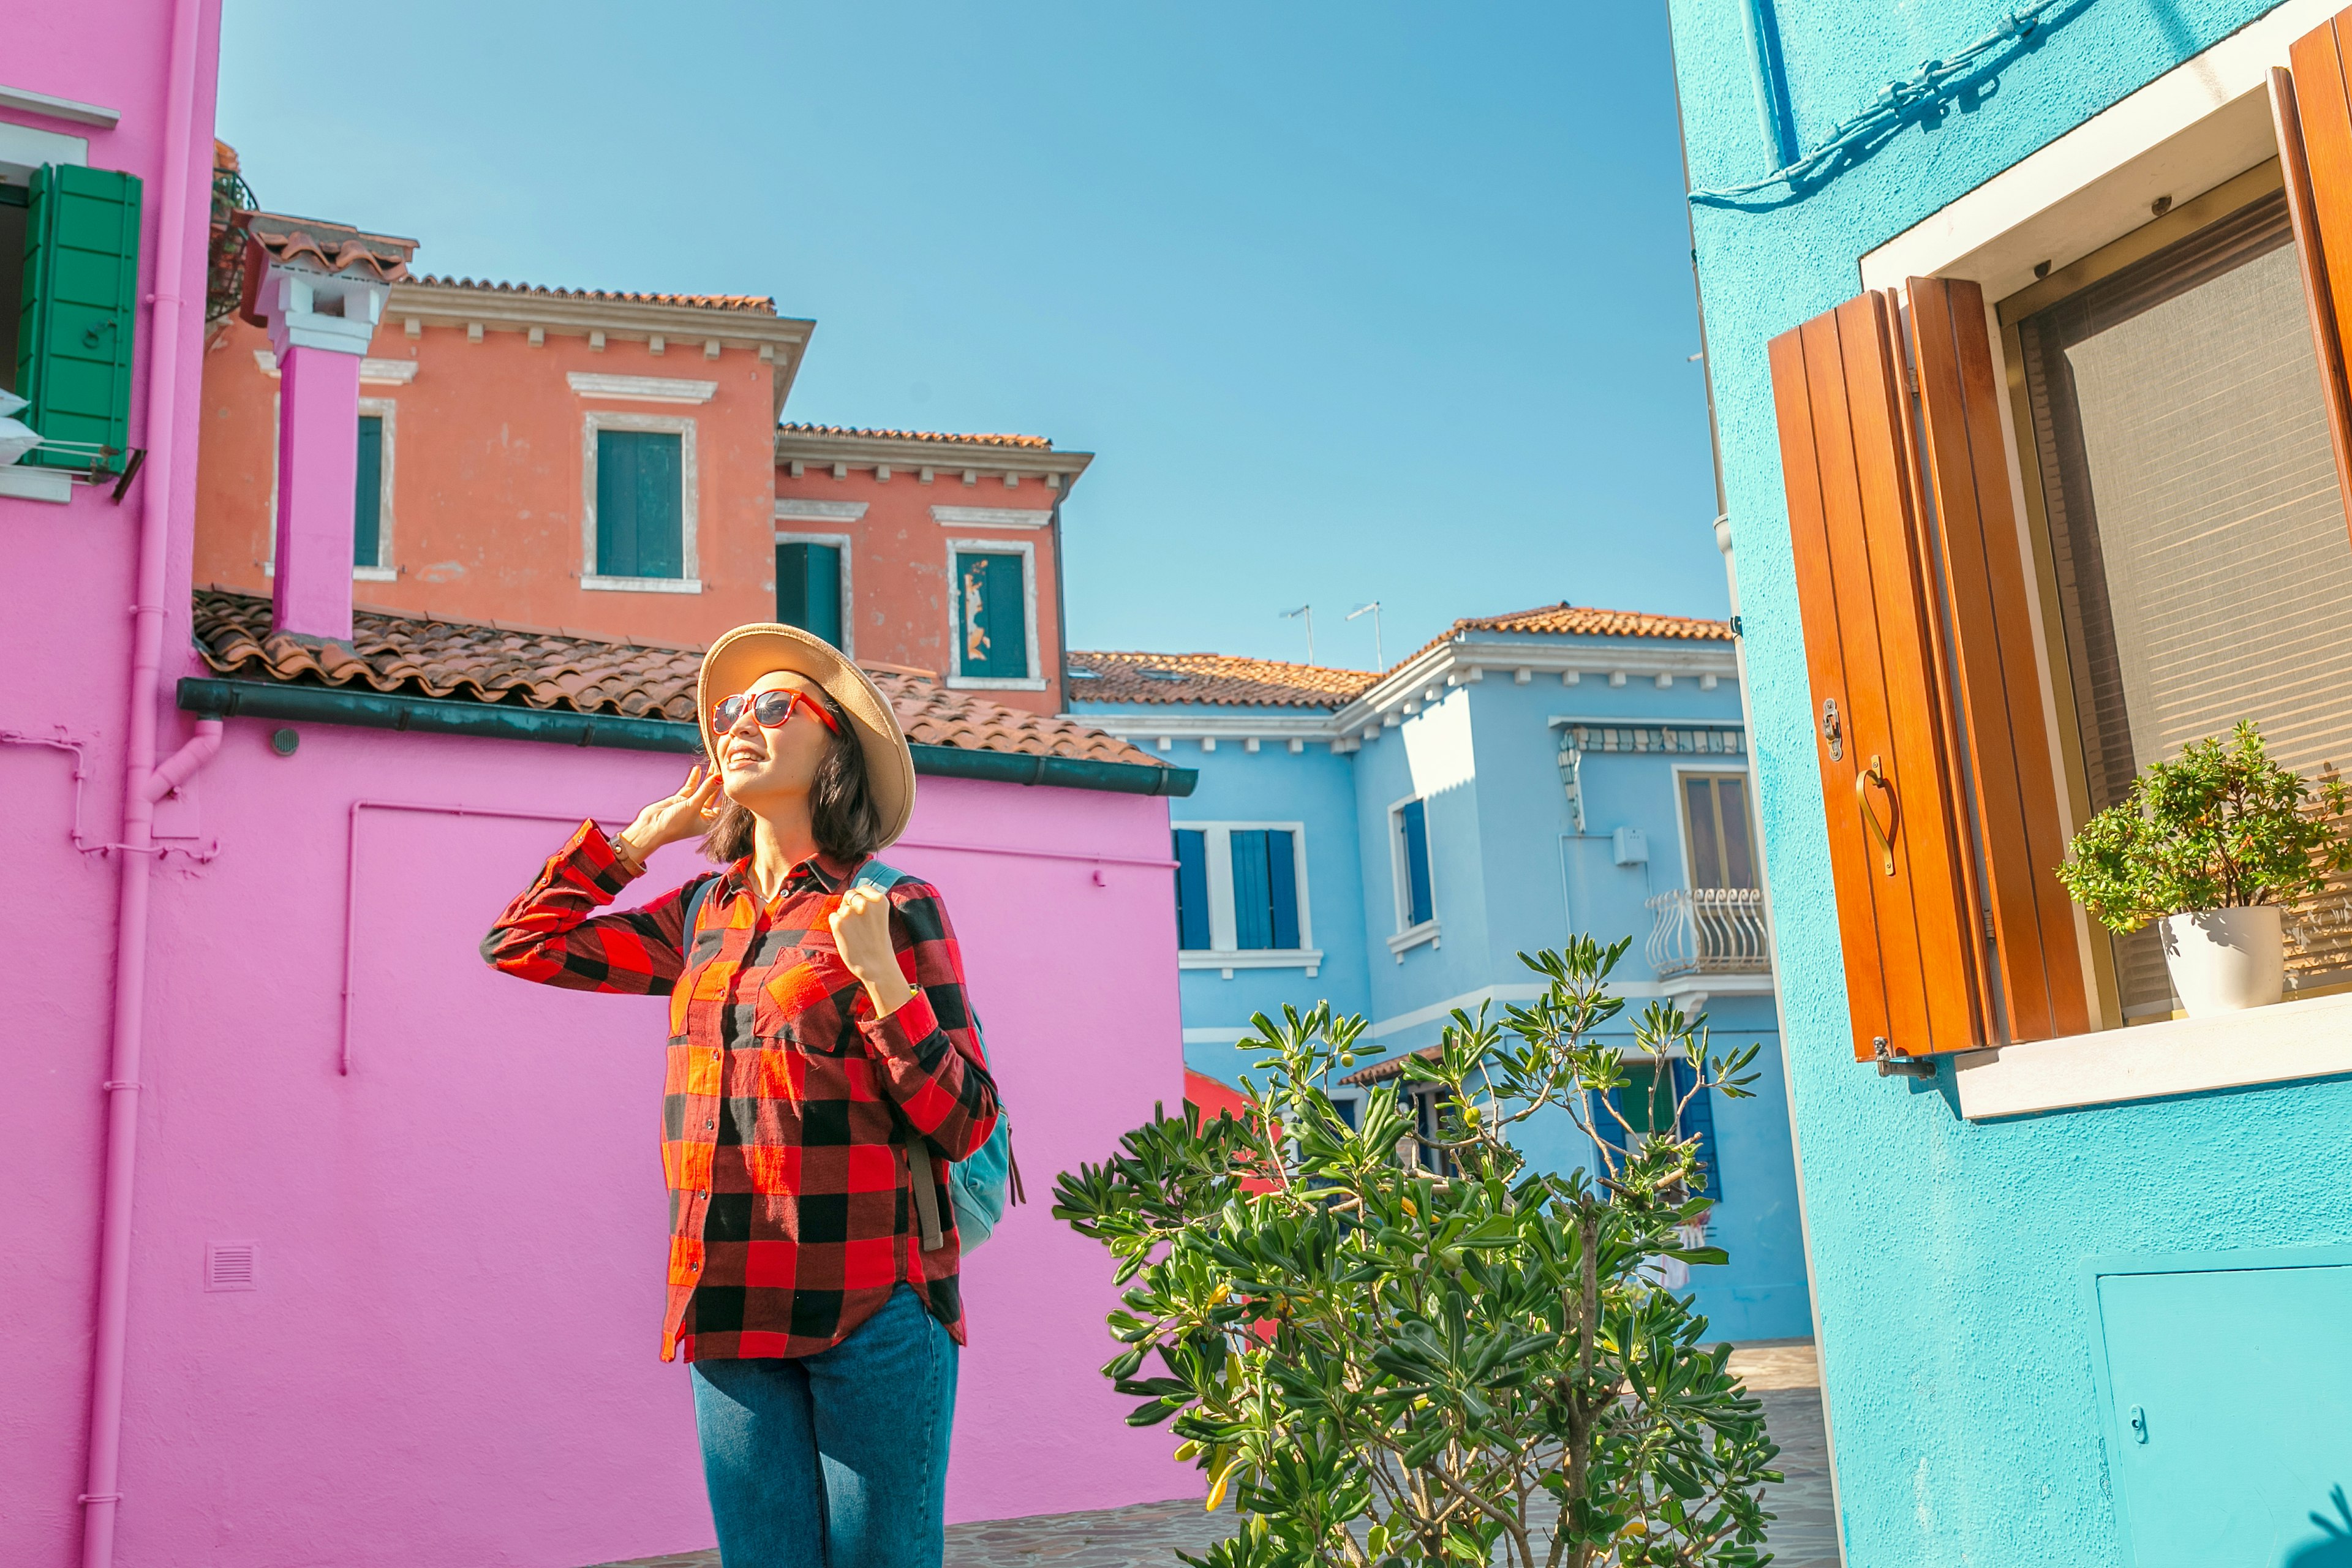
(993, 617)
(1241, 896)
(1648, 1102)
(1425, 1103)
(2179, 430)
(1416, 906)
(810, 587)
(367, 504)
(1192, 889)
(640, 504)
(1716, 829)
(70, 240)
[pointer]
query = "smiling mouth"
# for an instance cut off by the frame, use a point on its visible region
(741, 755)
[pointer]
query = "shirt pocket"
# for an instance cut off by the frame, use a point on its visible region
(810, 1004)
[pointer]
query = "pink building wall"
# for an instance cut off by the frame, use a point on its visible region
(450, 1353)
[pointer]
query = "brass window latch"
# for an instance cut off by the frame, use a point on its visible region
(1892, 1066)
(1830, 733)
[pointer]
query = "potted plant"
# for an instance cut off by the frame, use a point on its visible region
(2213, 845)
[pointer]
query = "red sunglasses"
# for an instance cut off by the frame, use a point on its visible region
(774, 710)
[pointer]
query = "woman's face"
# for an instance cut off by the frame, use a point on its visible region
(760, 765)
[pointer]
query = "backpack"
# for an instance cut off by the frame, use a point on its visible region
(980, 1186)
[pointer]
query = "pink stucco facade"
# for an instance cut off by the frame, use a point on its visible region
(448, 1352)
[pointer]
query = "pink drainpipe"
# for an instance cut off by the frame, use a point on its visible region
(144, 784)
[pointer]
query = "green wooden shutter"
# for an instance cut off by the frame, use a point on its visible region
(367, 504)
(74, 330)
(808, 588)
(992, 616)
(640, 504)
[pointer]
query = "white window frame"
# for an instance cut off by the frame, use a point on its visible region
(1681, 812)
(384, 570)
(1028, 550)
(690, 483)
(1223, 929)
(848, 599)
(1409, 935)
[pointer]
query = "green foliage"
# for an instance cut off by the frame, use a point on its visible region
(1386, 1365)
(2223, 828)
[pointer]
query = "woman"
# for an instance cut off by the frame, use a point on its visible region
(822, 1058)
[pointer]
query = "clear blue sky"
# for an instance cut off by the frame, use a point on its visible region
(1351, 302)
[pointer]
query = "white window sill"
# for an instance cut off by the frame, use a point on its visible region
(643, 584)
(995, 683)
(36, 484)
(1310, 959)
(1413, 937)
(375, 573)
(2187, 1056)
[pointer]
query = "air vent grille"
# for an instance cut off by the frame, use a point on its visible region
(228, 1266)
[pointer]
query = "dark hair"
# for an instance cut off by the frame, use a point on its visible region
(849, 826)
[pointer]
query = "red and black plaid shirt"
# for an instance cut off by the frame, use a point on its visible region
(787, 1116)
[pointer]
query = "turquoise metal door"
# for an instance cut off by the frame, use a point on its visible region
(2230, 1416)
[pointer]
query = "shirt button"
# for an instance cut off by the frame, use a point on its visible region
(710, 1124)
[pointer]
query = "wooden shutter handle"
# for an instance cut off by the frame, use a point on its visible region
(1877, 775)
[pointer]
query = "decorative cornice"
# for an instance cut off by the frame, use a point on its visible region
(372, 372)
(990, 517)
(641, 388)
(930, 461)
(792, 509)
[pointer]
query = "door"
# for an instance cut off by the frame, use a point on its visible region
(2229, 1419)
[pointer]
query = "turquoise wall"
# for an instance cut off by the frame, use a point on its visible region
(1949, 1259)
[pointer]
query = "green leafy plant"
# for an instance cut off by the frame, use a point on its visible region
(1393, 1349)
(2223, 828)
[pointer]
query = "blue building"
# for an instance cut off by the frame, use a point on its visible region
(2035, 441)
(1392, 842)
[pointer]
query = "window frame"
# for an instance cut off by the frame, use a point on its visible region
(1410, 934)
(956, 677)
(841, 543)
(689, 580)
(386, 568)
(1217, 849)
(1682, 770)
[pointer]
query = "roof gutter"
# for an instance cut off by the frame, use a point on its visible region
(562, 727)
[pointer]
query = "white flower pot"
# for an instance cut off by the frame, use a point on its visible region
(2225, 960)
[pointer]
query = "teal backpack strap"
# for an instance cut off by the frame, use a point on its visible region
(874, 874)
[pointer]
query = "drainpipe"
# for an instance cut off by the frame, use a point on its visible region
(143, 785)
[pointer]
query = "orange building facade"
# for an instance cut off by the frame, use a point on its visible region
(613, 465)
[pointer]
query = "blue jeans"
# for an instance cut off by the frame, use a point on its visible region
(837, 1459)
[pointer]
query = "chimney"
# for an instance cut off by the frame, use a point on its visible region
(319, 289)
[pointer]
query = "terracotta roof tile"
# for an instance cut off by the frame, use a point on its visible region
(532, 667)
(755, 304)
(332, 247)
(1394, 1066)
(1580, 620)
(1038, 443)
(1213, 678)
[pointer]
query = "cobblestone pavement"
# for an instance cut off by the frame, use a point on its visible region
(1786, 1376)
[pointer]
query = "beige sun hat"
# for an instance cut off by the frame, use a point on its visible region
(747, 653)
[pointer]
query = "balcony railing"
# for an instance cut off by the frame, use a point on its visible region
(1709, 931)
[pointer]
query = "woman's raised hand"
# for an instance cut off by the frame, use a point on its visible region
(686, 815)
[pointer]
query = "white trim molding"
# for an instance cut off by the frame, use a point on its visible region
(1310, 959)
(372, 372)
(27, 101)
(640, 388)
(1217, 860)
(36, 484)
(988, 517)
(2281, 1044)
(1028, 550)
(386, 568)
(689, 580)
(792, 509)
(840, 542)
(23, 150)
(1412, 937)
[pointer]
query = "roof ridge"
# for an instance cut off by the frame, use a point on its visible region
(757, 304)
(877, 433)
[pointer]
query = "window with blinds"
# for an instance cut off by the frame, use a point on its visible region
(2203, 572)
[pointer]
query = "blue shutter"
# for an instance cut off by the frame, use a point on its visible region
(640, 504)
(367, 505)
(1192, 889)
(992, 621)
(808, 588)
(1252, 921)
(1418, 907)
(1282, 886)
(1699, 1120)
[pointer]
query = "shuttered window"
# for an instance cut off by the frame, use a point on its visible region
(1416, 906)
(1192, 889)
(1715, 826)
(367, 503)
(76, 322)
(808, 588)
(640, 504)
(992, 616)
(1266, 889)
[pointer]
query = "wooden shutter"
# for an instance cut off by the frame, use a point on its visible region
(1282, 886)
(2311, 110)
(75, 330)
(991, 596)
(1192, 889)
(367, 503)
(1889, 785)
(640, 504)
(2005, 742)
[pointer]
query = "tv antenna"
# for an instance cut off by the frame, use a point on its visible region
(1308, 611)
(1380, 659)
